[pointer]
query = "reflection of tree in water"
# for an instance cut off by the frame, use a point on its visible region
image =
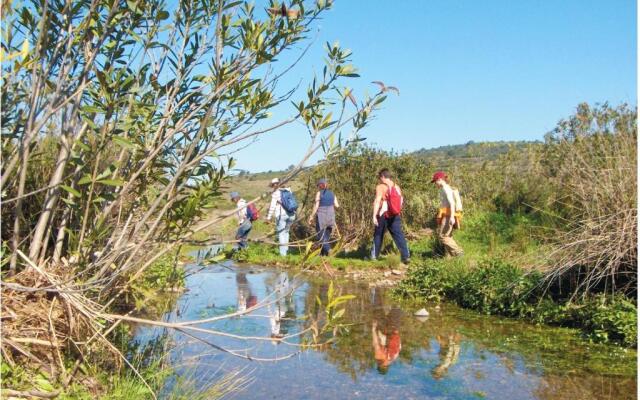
(353, 353)
(448, 354)
(538, 349)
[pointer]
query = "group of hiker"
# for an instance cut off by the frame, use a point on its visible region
(386, 215)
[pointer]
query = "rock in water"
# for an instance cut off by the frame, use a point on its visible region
(421, 313)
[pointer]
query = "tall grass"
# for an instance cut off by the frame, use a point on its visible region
(577, 192)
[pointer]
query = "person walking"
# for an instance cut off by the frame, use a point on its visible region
(283, 208)
(244, 222)
(387, 207)
(449, 214)
(324, 214)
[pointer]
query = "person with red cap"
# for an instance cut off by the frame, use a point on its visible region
(449, 214)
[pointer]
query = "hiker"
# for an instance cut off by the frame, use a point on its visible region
(386, 215)
(449, 215)
(324, 214)
(283, 208)
(244, 221)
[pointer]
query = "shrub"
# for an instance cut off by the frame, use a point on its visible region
(352, 175)
(497, 287)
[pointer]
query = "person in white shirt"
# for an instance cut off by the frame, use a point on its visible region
(446, 219)
(244, 223)
(284, 220)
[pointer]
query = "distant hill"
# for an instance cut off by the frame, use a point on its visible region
(469, 152)
(251, 185)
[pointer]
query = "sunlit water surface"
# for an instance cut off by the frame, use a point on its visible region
(388, 353)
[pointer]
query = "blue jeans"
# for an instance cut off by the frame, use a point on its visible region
(324, 237)
(283, 224)
(242, 234)
(394, 225)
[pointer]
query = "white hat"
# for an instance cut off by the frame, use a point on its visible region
(275, 180)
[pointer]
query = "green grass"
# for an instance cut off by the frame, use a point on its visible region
(268, 255)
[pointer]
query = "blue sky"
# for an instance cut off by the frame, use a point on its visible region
(467, 70)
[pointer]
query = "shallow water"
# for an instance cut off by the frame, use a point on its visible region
(452, 354)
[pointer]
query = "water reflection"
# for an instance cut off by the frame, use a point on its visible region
(449, 352)
(388, 353)
(246, 298)
(385, 332)
(282, 313)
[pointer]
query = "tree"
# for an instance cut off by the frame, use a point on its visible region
(140, 102)
(118, 120)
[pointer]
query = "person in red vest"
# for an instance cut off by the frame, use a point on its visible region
(387, 207)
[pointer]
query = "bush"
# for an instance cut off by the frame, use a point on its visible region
(590, 160)
(352, 175)
(497, 287)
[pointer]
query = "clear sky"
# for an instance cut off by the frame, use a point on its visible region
(468, 70)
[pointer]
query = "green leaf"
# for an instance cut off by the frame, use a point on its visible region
(92, 109)
(330, 291)
(85, 179)
(112, 182)
(71, 190)
(124, 142)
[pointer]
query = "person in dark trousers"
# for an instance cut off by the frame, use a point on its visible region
(387, 217)
(324, 214)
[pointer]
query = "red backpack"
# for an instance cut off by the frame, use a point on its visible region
(394, 202)
(252, 212)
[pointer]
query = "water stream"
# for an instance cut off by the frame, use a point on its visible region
(388, 352)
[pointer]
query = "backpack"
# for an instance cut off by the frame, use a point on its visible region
(252, 212)
(288, 201)
(457, 199)
(394, 202)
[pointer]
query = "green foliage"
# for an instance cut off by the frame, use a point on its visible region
(149, 291)
(352, 175)
(497, 287)
(262, 254)
(445, 157)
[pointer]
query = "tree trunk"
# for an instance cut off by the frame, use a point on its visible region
(51, 199)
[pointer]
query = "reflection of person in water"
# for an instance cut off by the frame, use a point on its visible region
(385, 333)
(449, 352)
(246, 299)
(280, 313)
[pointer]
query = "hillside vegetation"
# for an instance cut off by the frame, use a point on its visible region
(552, 224)
(470, 152)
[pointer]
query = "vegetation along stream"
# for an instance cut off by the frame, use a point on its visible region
(385, 351)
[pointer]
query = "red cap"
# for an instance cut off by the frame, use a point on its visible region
(438, 175)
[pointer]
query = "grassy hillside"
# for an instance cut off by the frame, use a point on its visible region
(469, 152)
(251, 186)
